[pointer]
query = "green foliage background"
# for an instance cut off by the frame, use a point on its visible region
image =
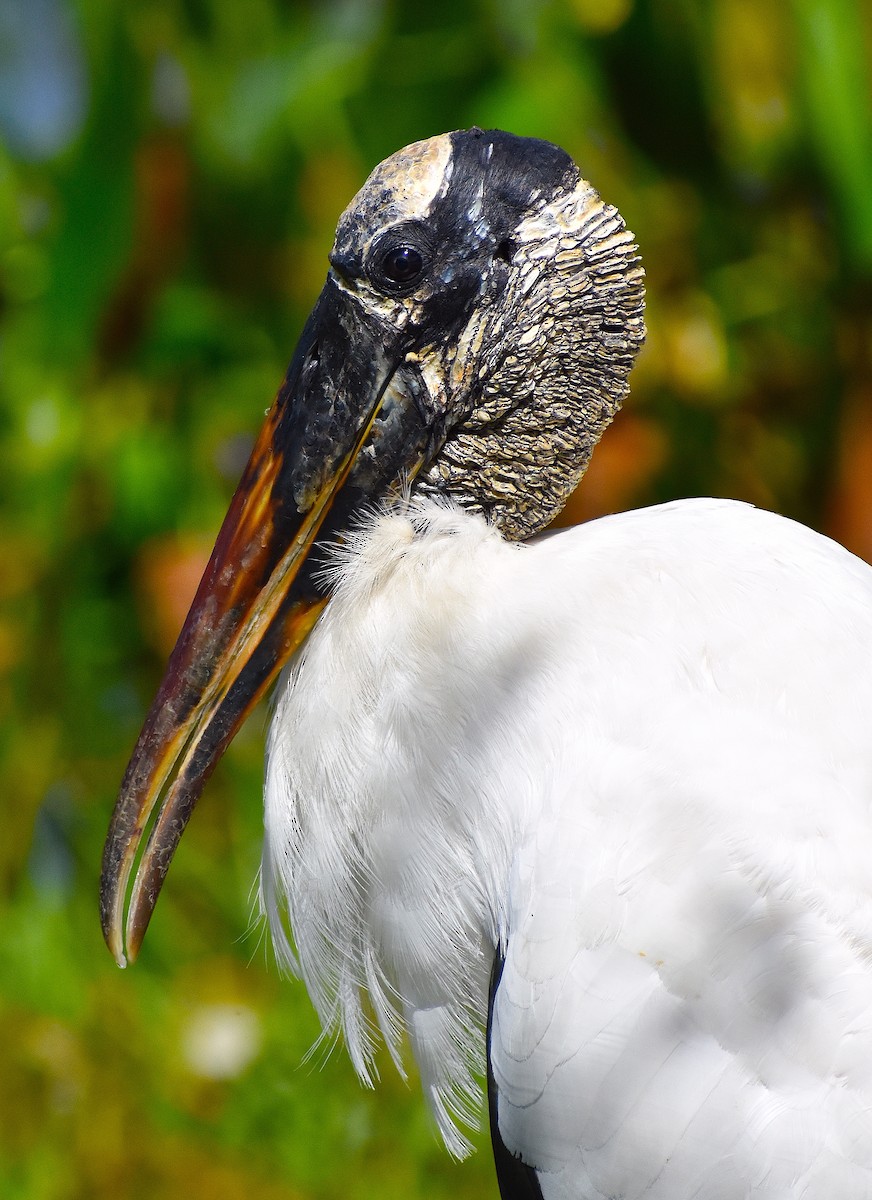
(170, 175)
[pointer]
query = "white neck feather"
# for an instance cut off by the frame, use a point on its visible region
(361, 825)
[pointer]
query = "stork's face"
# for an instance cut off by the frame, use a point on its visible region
(473, 339)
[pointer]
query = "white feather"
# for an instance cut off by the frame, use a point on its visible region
(637, 756)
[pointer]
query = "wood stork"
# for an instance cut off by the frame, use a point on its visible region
(590, 813)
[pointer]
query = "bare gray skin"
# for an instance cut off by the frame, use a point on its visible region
(540, 362)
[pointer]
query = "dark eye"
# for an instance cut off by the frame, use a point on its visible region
(402, 264)
(400, 257)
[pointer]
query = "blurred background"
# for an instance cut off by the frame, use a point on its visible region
(170, 175)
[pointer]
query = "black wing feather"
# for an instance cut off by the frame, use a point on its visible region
(517, 1180)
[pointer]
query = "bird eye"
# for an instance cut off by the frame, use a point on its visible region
(400, 257)
(402, 264)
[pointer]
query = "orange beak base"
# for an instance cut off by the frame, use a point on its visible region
(348, 390)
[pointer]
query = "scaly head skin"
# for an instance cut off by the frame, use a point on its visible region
(526, 317)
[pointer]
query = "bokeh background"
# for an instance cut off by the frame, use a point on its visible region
(170, 176)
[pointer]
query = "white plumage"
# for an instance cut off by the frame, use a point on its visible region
(591, 813)
(636, 755)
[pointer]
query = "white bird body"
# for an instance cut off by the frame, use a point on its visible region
(635, 756)
(592, 811)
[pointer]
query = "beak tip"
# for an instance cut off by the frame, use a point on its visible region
(115, 944)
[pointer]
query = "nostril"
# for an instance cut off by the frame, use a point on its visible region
(342, 264)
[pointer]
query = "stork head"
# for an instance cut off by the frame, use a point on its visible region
(472, 340)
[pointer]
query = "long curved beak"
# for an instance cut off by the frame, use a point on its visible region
(345, 426)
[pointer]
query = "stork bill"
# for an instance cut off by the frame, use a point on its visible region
(589, 813)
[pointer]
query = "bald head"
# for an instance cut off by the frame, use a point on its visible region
(448, 196)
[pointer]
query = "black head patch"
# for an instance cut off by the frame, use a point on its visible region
(515, 173)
